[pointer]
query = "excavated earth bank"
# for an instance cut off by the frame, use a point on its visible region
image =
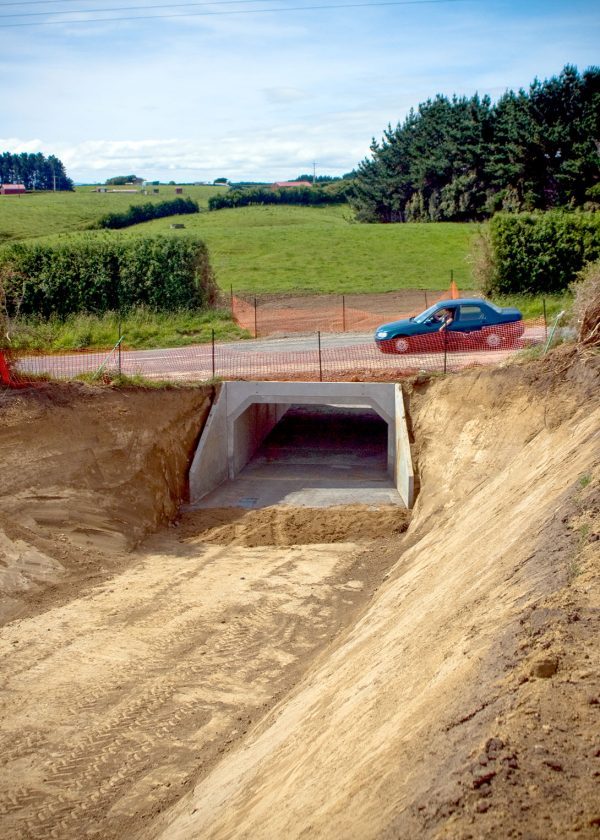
(303, 673)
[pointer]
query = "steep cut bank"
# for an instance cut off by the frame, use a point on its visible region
(464, 703)
(86, 473)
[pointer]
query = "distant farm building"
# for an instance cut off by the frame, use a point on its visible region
(12, 189)
(284, 184)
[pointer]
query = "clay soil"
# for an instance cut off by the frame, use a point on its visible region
(296, 672)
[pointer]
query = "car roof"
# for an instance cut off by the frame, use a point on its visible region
(459, 301)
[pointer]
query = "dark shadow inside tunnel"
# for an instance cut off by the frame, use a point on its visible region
(328, 437)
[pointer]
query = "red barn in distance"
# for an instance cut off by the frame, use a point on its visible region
(12, 189)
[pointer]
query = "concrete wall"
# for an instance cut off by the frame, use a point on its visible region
(209, 466)
(249, 431)
(404, 476)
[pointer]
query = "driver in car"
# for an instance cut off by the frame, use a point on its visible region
(445, 317)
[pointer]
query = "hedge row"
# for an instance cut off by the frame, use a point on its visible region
(100, 274)
(540, 252)
(305, 196)
(146, 212)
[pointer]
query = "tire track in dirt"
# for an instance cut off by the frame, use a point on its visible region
(146, 682)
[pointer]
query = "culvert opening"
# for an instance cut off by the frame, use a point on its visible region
(333, 443)
(316, 455)
(328, 437)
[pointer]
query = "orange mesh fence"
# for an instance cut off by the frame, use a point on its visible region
(313, 357)
(285, 314)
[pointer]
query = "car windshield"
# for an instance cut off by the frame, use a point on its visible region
(420, 319)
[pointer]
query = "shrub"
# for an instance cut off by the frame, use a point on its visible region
(138, 213)
(100, 274)
(536, 253)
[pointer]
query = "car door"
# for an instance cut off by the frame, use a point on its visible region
(464, 331)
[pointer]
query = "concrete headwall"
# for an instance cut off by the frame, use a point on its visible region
(404, 476)
(209, 465)
(245, 412)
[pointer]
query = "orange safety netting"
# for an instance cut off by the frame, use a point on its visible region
(286, 314)
(314, 357)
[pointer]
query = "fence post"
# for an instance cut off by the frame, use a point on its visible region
(445, 351)
(213, 354)
(120, 338)
(545, 320)
(255, 320)
(343, 313)
(320, 363)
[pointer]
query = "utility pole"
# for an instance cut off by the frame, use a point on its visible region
(314, 172)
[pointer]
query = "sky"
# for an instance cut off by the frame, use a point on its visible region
(259, 90)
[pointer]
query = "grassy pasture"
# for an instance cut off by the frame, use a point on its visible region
(46, 213)
(279, 249)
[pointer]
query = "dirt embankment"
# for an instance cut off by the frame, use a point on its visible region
(85, 475)
(322, 674)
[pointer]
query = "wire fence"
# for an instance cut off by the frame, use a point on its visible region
(313, 357)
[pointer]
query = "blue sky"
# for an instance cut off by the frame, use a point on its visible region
(259, 95)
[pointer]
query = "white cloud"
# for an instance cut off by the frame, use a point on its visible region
(271, 155)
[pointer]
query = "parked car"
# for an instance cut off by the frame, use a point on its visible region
(462, 324)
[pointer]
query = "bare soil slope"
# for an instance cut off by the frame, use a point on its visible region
(85, 474)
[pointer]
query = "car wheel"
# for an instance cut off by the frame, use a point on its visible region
(402, 344)
(493, 341)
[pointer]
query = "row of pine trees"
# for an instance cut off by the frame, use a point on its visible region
(465, 158)
(34, 171)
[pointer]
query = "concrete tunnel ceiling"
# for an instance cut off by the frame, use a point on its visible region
(343, 425)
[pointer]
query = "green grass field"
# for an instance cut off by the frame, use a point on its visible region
(141, 329)
(321, 250)
(45, 213)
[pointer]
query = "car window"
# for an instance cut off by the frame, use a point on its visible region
(420, 319)
(471, 315)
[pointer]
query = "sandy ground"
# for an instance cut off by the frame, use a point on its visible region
(303, 673)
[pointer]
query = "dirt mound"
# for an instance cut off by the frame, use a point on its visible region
(292, 526)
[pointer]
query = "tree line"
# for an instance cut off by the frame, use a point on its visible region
(34, 171)
(304, 196)
(464, 158)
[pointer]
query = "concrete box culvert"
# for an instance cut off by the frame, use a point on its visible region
(244, 413)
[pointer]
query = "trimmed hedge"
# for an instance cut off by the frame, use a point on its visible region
(138, 213)
(534, 253)
(304, 196)
(100, 274)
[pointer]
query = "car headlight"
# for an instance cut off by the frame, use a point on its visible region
(381, 334)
